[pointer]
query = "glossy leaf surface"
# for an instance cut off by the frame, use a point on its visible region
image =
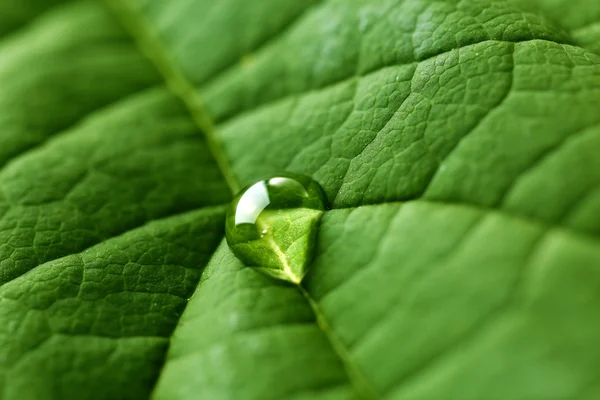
(456, 141)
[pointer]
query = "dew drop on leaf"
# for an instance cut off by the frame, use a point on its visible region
(272, 225)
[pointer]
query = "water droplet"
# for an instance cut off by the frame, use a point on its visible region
(272, 225)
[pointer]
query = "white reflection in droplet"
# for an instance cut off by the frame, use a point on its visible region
(252, 203)
(279, 181)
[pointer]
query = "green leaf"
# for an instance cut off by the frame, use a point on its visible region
(457, 142)
(580, 17)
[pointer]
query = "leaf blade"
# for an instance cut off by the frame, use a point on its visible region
(475, 105)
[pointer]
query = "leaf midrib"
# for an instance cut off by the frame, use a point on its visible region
(148, 42)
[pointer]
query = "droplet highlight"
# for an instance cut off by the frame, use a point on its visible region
(272, 225)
